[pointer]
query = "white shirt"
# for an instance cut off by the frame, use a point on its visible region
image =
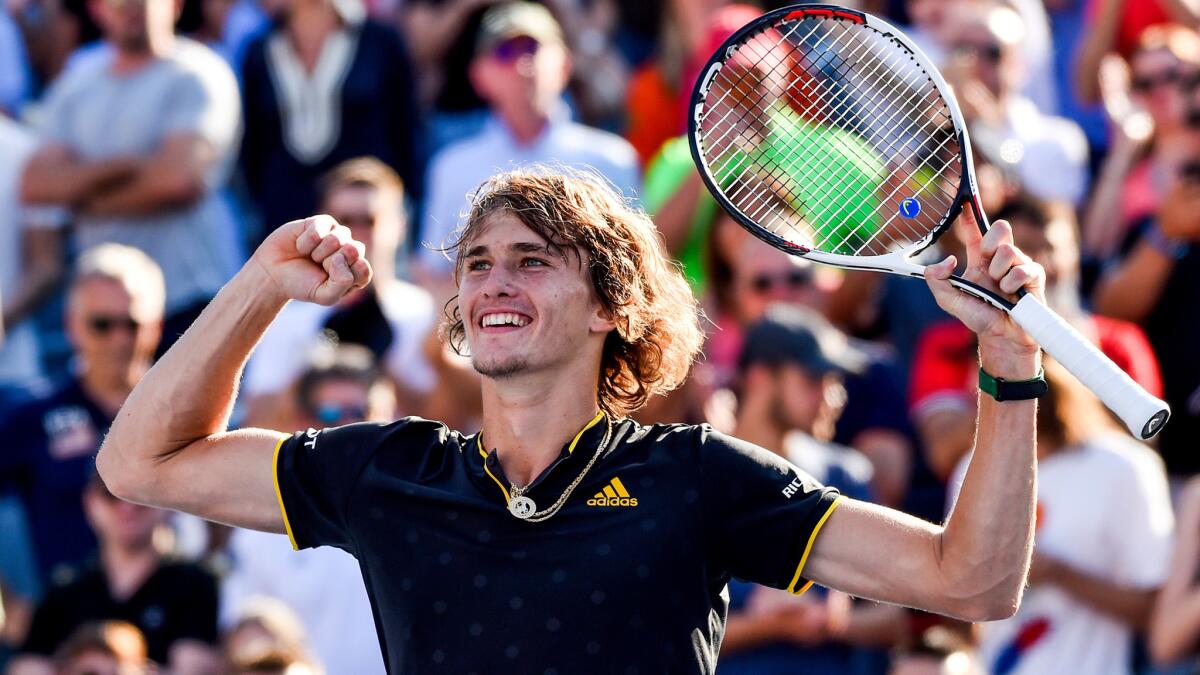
(280, 358)
(1104, 509)
(461, 167)
(1048, 154)
(324, 586)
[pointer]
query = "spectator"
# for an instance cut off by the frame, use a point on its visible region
(1116, 26)
(267, 639)
(1148, 106)
(114, 315)
(1101, 549)
(173, 603)
(325, 85)
(1151, 285)
(323, 586)
(103, 648)
(392, 318)
(1048, 154)
(942, 390)
(137, 142)
(1175, 624)
(521, 67)
(790, 396)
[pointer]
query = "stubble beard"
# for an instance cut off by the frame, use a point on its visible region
(502, 370)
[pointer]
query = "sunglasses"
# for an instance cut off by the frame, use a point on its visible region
(512, 49)
(356, 219)
(334, 414)
(793, 280)
(1145, 83)
(990, 52)
(103, 325)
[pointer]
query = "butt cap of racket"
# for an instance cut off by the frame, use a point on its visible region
(1143, 414)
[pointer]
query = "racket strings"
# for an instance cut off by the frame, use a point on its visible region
(891, 146)
(860, 133)
(856, 120)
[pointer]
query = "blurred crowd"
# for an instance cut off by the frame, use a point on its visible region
(146, 146)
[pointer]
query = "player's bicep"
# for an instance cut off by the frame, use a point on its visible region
(228, 478)
(874, 552)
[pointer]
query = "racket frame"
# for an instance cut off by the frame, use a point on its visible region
(896, 262)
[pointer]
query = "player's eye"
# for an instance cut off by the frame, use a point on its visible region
(477, 265)
(533, 262)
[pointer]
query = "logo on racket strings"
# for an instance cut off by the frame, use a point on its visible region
(910, 208)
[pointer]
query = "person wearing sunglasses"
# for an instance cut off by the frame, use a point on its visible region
(113, 320)
(988, 63)
(341, 384)
(521, 68)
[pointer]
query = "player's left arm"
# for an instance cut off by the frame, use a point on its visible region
(975, 566)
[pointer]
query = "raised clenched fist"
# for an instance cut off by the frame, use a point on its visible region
(314, 259)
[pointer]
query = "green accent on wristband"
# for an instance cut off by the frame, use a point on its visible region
(1012, 390)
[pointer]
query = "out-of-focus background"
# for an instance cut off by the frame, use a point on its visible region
(146, 146)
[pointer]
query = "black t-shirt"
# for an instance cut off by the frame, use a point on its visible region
(628, 577)
(47, 455)
(178, 601)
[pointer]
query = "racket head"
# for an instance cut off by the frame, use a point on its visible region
(827, 133)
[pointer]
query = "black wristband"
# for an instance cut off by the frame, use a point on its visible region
(1012, 390)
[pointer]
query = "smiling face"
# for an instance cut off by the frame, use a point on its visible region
(527, 307)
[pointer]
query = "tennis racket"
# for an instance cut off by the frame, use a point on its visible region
(828, 134)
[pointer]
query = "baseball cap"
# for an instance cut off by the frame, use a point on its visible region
(801, 336)
(514, 19)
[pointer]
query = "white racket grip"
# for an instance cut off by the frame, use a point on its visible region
(1141, 412)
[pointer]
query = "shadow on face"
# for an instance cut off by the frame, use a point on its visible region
(110, 329)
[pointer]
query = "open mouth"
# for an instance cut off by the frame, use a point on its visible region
(503, 321)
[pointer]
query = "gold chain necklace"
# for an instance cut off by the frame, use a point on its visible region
(524, 508)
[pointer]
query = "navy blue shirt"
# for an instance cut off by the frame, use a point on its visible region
(375, 114)
(628, 577)
(47, 455)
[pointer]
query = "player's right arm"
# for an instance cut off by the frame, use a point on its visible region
(169, 445)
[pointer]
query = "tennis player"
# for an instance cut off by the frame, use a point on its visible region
(565, 538)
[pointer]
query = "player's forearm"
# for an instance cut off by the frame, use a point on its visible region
(984, 549)
(189, 393)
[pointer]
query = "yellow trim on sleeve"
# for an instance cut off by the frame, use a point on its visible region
(808, 549)
(287, 525)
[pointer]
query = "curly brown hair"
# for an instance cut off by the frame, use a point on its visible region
(658, 319)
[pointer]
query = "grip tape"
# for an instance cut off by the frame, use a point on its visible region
(1142, 413)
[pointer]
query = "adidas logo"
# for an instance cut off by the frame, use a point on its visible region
(614, 494)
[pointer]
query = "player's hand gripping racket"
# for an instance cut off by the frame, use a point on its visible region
(828, 134)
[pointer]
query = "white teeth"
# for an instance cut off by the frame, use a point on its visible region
(504, 319)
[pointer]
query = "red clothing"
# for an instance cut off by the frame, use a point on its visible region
(1135, 18)
(945, 365)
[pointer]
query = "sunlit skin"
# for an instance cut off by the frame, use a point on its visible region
(509, 269)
